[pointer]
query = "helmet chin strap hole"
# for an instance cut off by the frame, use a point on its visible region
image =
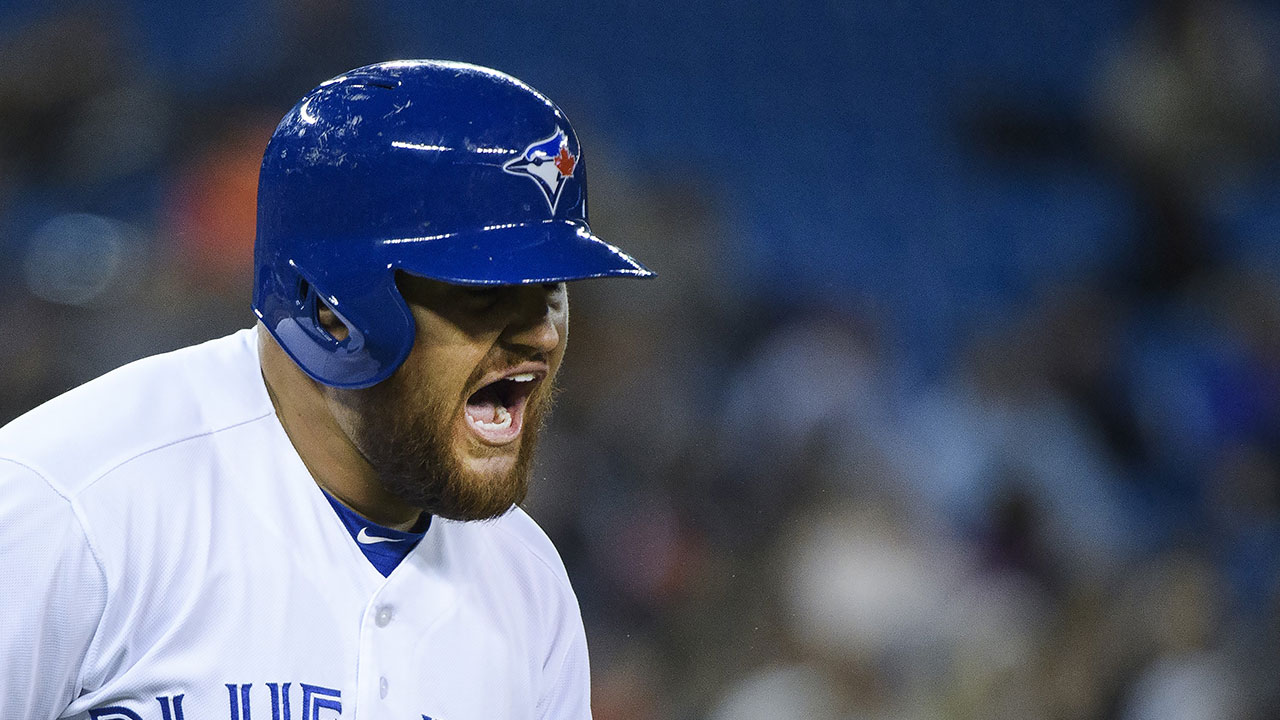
(330, 322)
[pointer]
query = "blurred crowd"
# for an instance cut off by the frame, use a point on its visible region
(776, 504)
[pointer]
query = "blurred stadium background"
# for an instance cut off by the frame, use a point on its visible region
(958, 395)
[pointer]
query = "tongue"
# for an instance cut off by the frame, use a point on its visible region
(483, 406)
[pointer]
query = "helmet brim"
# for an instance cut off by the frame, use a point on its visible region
(514, 254)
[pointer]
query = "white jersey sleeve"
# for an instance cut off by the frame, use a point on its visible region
(565, 670)
(569, 695)
(52, 595)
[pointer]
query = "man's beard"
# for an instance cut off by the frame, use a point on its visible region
(413, 456)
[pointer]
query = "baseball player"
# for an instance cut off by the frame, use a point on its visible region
(284, 523)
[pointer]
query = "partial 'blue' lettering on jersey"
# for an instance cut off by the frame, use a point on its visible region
(240, 706)
(235, 704)
(279, 699)
(171, 706)
(315, 698)
(113, 713)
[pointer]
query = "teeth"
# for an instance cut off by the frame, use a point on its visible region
(523, 377)
(504, 420)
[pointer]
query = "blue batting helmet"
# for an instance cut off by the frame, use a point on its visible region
(443, 170)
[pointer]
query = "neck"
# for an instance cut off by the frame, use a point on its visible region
(305, 409)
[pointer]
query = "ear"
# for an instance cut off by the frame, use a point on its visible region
(330, 322)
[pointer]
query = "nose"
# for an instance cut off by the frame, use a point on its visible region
(538, 320)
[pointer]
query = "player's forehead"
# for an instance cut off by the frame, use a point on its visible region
(429, 292)
(411, 283)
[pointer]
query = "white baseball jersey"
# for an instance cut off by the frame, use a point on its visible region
(164, 555)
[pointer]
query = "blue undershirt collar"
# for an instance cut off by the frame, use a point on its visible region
(384, 547)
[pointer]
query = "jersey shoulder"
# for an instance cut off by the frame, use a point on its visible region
(517, 566)
(527, 537)
(148, 404)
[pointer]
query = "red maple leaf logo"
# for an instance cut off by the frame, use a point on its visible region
(565, 161)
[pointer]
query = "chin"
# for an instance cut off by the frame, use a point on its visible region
(438, 467)
(481, 489)
(462, 494)
(459, 480)
(493, 470)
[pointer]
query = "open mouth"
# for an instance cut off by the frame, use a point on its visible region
(495, 412)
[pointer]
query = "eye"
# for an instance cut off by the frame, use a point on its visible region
(480, 297)
(557, 293)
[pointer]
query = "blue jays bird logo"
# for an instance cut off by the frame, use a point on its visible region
(548, 162)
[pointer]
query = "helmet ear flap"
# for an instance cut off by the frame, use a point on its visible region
(380, 328)
(314, 306)
(306, 307)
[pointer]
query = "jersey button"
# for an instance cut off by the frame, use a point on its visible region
(383, 618)
(382, 687)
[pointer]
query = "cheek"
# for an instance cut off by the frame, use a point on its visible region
(438, 377)
(346, 407)
(562, 326)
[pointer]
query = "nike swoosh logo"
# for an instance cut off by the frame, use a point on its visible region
(364, 538)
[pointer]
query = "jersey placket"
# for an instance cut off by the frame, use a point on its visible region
(400, 612)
